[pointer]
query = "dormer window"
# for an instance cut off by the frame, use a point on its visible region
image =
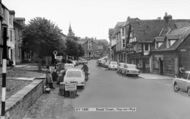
(158, 44)
(171, 42)
(146, 47)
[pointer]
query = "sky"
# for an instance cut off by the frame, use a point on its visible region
(93, 18)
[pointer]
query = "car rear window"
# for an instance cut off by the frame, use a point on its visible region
(74, 74)
(68, 66)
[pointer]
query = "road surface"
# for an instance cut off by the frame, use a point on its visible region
(153, 99)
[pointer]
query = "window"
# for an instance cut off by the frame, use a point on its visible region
(171, 42)
(159, 44)
(146, 47)
(74, 74)
(11, 35)
(124, 42)
(123, 31)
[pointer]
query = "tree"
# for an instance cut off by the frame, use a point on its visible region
(80, 50)
(73, 48)
(42, 37)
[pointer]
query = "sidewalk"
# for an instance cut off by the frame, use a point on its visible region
(154, 76)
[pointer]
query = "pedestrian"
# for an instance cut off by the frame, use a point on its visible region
(54, 74)
(85, 69)
(49, 81)
(181, 71)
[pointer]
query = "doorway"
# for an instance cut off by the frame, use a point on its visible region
(161, 66)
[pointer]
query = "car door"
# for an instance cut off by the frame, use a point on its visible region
(187, 84)
(183, 83)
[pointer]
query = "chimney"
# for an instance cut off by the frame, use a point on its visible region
(159, 18)
(167, 17)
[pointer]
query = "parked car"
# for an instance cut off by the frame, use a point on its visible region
(131, 69)
(112, 65)
(75, 75)
(69, 65)
(101, 62)
(106, 64)
(182, 83)
(82, 61)
(120, 67)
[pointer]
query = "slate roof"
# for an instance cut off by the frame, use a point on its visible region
(146, 30)
(179, 34)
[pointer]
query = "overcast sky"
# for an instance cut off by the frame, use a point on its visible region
(93, 18)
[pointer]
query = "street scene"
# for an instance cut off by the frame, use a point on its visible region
(151, 98)
(94, 59)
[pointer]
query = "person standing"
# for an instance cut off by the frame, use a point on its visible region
(181, 71)
(85, 69)
(49, 81)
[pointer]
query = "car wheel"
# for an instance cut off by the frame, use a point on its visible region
(188, 91)
(176, 88)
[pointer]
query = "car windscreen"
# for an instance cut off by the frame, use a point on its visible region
(74, 74)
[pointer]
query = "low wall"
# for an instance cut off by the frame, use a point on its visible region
(18, 104)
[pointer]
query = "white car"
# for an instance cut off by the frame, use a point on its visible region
(107, 63)
(112, 65)
(120, 67)
(69, 65)
(131, 69)
(182, 83)
(75, 75)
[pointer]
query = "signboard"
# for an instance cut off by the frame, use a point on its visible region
(70, 86)
(59, 58)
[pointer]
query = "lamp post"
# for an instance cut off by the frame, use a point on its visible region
(4, 71)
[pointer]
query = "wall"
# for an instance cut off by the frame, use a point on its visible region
(184, 53)
(18, 104)
(170, 63)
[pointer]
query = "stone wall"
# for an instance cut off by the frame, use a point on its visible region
(18, 104)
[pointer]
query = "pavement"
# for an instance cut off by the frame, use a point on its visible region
(155, 76)
(152, 99)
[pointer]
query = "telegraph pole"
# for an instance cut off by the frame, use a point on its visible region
(4, 71)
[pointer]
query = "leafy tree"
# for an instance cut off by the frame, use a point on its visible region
(80, 50)
(42, 37)
(73, 48)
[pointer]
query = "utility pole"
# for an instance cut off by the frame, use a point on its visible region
(4, 71)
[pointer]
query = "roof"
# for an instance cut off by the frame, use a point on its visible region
(159, 38)
(146, 30)
(179, 34)
(118, 26)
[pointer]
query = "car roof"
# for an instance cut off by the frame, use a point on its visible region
(74, 69)
(188, 72)
(131, 64)
(113, 61)
(69, 64)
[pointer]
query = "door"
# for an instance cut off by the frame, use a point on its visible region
(161, 66)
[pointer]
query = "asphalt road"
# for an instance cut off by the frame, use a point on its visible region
(153, 99)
